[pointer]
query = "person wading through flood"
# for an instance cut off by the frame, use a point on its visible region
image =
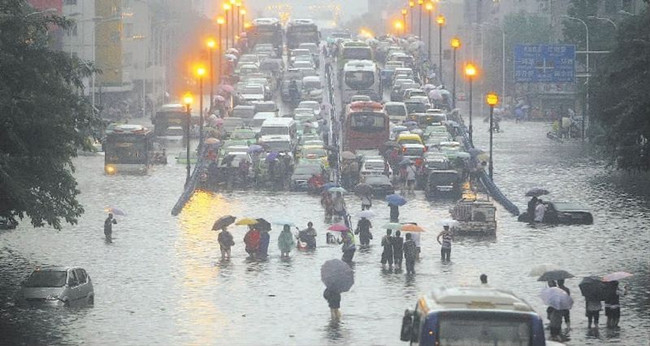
(225, 243)
(308, 236)
(285, 241)
(410, 253)
(398, 244)
(366, 201)
(252, 241)
(447, 238)
(387, 254)
(108, 227)
(334, 301)
(363, 230)
(348, 247)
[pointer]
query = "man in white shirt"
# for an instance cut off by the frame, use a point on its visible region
(540, 209)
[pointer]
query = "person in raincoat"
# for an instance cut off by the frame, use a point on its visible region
(252, 241)
(327, 203)
(348, 247)
(263, 249)
(286, 241)
(338, 203)
(225, 243)
(363, 230)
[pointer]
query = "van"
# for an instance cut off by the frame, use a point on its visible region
(472, 316)
(280, 127)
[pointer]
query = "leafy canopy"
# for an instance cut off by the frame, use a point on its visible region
(43, 119)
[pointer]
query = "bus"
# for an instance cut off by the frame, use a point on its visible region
(472, 316)
(266, 30)
(301, 31)
(361, 77)
(353, 50)
(129, 149)
(170, 121)
(366, 126)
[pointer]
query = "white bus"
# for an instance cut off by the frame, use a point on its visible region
(361, 77)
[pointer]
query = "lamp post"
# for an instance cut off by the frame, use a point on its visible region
(470, 72)
(220, 22)
(226, 8)
(604, 20)
(455, 44)
(200, 72)
(420, 3)
(441, 22)
(212, 44)
(232, 21)
(586, 112)
(243, 15)
(238, 5)
(411, 5)
(429, 8)
(492, 99)
(187, 99)
(404, 11)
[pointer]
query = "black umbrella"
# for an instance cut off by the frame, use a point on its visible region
(555, 275)
(223, 221)
(536, 192)
(337, 275)
(593, 288)
(263, 225)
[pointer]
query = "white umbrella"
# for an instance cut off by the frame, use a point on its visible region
(556, 298)
(367, 214)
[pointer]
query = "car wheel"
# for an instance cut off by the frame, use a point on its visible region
(91, 300)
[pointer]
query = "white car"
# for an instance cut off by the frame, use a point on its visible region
(252, 92)
(396, 111)
(57, 286)
(374, 166)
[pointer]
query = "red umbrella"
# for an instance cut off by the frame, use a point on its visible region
(338, 227)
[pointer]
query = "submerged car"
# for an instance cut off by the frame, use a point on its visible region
(58, 286)
(565, 213)
(381, 185)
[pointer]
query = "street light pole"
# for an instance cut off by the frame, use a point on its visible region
(492, 99)
(411, 4)
(470, 72)
(455, 44)
(188, 103)
(420, 2)
(211, 45)
(441, 22)
(429, 8)
(220, 52)
(404, 11)
(226, 8)
(200, 71)
(586, 112)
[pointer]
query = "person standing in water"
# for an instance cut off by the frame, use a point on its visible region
(108, 227)
(334, 301)
(387, 254)
(363, 230)
(348, 247)
(225, 243)
(398, 244)
(285, 241)
(447, 238)
(410, 253)
(394, 213)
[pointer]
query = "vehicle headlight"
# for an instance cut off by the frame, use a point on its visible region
(110, 169)
(52, 297)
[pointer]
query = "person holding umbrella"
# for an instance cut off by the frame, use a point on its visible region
(252, 241)
(613, 303)
(338, 277)
(410, 253)
(226, 241)
(348, 248)
(108, 227)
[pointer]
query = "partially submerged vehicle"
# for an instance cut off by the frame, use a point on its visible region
(565, 213)
(474, 216)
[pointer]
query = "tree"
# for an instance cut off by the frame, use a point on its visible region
(621, 96)
(43, 119)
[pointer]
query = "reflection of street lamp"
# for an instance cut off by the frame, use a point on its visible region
(404, 11)
(455, 44)
(492, 99)
(226, 8)
(586, 112)
(187, 99)
(429, 8)
(470, 72)
(441, 22)
(200, 72)
(220, 22)
(212, 44)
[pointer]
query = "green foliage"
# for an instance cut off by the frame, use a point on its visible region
(620, 99)
(43, 120)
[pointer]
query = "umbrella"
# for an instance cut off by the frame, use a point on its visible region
(223, 221)
(337, 275)
(366, 213)
(556, 298)
(116, 211)
(616, 276)
(271, 156)
(220, 98)
(211, 140)
(338, 227)
(363, 189)
(330, 185)
(395, 199)
(447, 222)
(283, 222)
(405, 161)
(263, 225)
(543, 268)
(555, 275)
(593, 288)
(246, 221)
(255, 148)
(392, 225)
(435, 94)
(348, 155)
(409, 227)
(227, 88)
(336, 189)
(536, 192)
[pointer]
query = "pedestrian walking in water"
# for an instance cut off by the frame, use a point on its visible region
(565, 313)
(483, 278)
(363, 230)
(225, 243)
(410, 253)
(613, 303)
(308, 236)
(334, 301)
(366, 202)
(338, 203)
(348, 248)
(394, 213)
(445, 238)
(592, 311)
(286, 241)
(263, 249)
(252, 241)
(108, 227)
(398, 253)
(387, 254)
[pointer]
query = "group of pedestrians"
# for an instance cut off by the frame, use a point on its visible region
(396, 248)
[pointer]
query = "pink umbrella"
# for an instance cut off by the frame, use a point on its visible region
(616, 276)
(435, 94)
(220, 98)
(337, 227)
(227, 88)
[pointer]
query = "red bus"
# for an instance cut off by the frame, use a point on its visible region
(365, 126)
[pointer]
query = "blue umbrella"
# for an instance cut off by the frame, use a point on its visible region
(255, 148)
(271, 156)
(283, 222)
(395, 199)
(330, 185)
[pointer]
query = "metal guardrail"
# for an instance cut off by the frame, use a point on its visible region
(190, 187)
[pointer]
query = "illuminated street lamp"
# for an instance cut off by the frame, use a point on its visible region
(226, 8)
(212, 44)
(441, 22)
(243, 15)
(404, 11)
(187, 100)
(470, 72)
(200, 72)
(220, 22)
(455, 44)
(399, 27)
(492, 99)
(429, 8)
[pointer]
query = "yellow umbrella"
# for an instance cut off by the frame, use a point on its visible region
(246, 221)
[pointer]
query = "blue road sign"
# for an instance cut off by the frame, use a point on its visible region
(545, 63)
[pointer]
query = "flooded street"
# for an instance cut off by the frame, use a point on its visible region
(162, 282)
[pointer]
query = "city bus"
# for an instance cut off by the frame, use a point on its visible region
(302, 31)
(361, 77)
(170, 121)
(472, 316)
(366, 126)
(266, 30)
(353, 50)
(129, 149)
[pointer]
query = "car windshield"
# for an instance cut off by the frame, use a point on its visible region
(395, 110)
(252, 90)
(367, 122)
(416, 107)
(358, 53)
(307, 169)
(374, 166)
(278, 146)
(46, 278)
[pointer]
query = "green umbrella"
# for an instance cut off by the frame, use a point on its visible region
(392, 225)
